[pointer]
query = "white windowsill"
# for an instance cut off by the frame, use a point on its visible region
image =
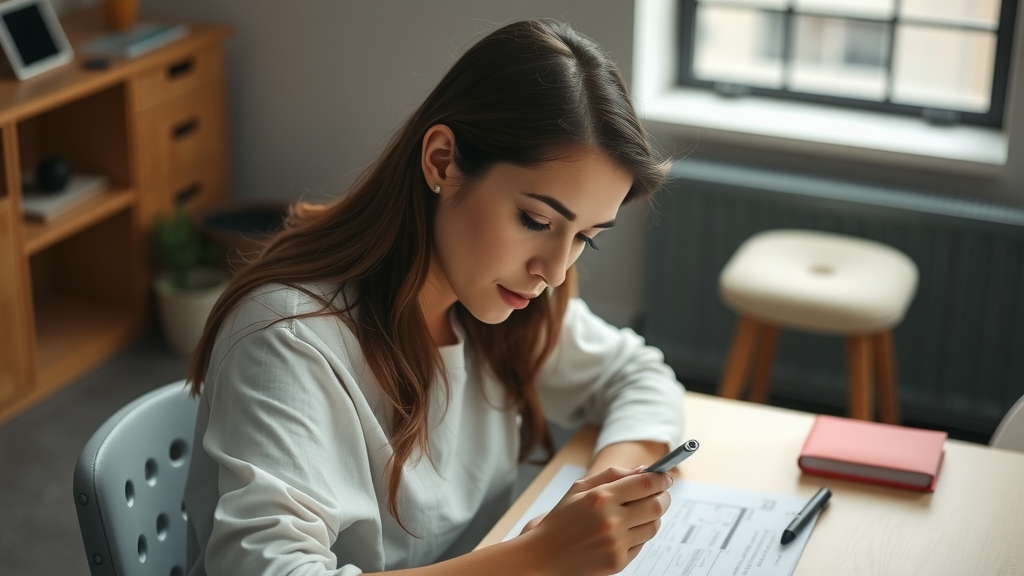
(814, 128)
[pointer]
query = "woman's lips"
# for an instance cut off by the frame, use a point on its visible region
(513, 299)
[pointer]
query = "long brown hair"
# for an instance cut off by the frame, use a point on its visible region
(525, 94)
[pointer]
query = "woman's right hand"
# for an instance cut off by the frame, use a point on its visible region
(602, 522)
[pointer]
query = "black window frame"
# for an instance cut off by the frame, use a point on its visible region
(995, 116)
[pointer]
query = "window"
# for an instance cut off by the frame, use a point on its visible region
(945, 60)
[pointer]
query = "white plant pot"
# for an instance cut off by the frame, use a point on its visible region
(183, 313)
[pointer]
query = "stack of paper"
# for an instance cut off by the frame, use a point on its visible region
(40, 205)
(707, 530)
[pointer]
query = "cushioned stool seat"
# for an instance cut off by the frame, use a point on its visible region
(823, 283)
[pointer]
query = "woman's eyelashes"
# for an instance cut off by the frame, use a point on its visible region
(588, 240)
(530, 224)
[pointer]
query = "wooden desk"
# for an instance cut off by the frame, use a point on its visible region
(972, 524)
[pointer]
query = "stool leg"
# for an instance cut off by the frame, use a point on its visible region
(858, 366)
(763, 368)
(744, 343)
(885, 376)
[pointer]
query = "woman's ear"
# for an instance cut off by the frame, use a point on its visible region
(437, 157)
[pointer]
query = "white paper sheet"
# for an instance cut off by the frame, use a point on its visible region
(707, 531)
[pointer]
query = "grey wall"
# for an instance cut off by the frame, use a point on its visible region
(318, 85)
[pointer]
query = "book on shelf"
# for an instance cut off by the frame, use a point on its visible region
(134, 42)
(39, 205)
(873, 452)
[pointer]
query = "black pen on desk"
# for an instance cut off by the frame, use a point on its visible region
(816, 503)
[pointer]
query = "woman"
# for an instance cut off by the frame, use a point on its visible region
(371, 381)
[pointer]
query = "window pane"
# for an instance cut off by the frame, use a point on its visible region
(984, 13)
(879, 9)
(739, 45)
(840, 57)
(943, 67)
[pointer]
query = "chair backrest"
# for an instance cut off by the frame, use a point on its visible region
(1010, 433)
(129, 486)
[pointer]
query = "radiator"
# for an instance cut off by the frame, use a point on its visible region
(960, 348)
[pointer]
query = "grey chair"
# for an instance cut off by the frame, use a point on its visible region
(1010, 433)
(129, 487)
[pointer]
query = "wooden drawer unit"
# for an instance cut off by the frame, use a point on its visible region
(178, 76)
(198, 190)
(181, 136)
(179, 139)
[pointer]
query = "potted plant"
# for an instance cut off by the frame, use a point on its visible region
(190, 280)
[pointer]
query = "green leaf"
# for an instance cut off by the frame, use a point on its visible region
(179, 247)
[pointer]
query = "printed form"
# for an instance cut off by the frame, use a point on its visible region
(707, 531)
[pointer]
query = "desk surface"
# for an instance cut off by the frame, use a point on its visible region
(972, 524)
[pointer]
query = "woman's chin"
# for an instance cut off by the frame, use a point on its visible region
(491, 315)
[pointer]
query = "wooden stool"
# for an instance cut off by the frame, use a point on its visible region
(822, 283)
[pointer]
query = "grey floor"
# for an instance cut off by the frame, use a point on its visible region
(38, 449)
(38, 528)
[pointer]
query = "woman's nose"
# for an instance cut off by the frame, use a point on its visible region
(551, 265)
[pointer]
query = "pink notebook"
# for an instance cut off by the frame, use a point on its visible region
(873, 452)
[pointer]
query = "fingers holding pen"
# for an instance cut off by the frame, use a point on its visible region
(643, 533)
(644, 484)
(648, 513)
(632, 498)
(652, 506)
(603, 520)
(604, 477)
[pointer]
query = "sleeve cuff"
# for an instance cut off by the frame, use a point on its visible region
(665, 426)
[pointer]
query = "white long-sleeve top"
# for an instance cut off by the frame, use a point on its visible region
(289, 471)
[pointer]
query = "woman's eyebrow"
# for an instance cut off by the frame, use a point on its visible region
(569, 215)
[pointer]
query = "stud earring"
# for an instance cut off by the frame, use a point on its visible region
(437, 188)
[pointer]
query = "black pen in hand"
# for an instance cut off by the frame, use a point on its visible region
(816, 503)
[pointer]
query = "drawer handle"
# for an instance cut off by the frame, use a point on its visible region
(188, 193)
(185, 128)
(180, 68)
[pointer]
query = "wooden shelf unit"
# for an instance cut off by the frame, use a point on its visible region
(76, 289)
(41, 235)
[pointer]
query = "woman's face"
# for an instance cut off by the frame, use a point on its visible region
(502, 240)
